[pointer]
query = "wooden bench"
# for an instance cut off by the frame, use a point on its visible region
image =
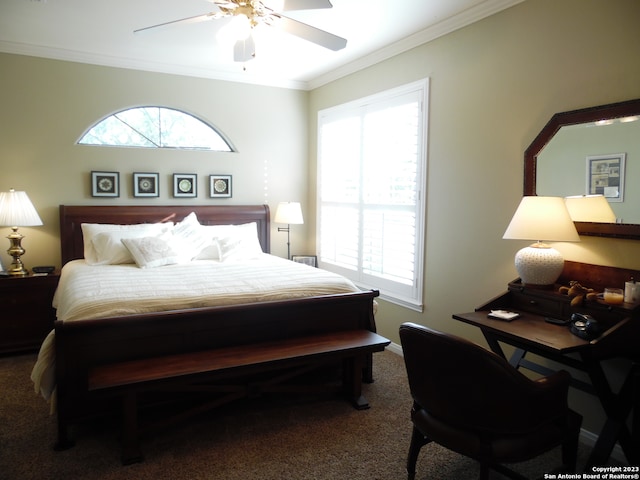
(192, 370)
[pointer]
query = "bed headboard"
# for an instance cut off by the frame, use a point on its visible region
(72, 216)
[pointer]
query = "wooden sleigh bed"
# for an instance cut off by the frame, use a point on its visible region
(82, 346)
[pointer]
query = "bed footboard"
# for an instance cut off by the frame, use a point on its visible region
(83, 345)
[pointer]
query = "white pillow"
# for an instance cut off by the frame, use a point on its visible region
(150, 252)
(111, 249)
(241, 243)
(189, 237)
(212, 232)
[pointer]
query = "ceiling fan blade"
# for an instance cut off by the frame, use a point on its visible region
(194, 19)
(305, 5)
(244, 50)
(312, 34)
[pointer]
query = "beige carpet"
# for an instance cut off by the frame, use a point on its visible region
(273, 438)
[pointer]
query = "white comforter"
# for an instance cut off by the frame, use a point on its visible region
(87, 292)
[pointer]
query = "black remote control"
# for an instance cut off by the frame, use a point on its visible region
(44, 269)
(557, 321)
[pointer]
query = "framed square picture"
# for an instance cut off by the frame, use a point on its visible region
(146, 185)
(311, 260)
(220, 186)
(185, 185)
(105, 184)
(605, 176)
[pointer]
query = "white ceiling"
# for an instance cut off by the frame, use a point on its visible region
(101, 32)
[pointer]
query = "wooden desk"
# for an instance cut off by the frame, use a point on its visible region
(532, 334)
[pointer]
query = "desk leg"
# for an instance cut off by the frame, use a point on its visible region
(617, 408)
(635, 425)
(516, 358)
(493, 344)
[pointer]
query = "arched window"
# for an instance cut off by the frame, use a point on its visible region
(155, 127)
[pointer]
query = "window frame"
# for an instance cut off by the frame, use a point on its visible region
(414, 299)
(223, 138)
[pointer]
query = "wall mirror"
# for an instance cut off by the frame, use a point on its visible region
(603, 130)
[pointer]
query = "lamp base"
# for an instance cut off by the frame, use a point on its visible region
(539, 264)
(16, 269)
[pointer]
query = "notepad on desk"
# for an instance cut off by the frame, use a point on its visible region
(505, 315)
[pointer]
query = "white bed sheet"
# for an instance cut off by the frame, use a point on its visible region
(89, 291)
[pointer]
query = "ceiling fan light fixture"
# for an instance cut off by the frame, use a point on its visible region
(238, 28)
(244, 15)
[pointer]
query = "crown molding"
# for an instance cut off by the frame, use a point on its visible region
(463, 19)
(126, 63)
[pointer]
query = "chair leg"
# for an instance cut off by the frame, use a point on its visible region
(418, 440)
(484, 471)
(569, 447)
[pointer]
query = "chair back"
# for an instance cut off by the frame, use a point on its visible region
(465, 385)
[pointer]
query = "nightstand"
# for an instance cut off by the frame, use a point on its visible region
(27, 314)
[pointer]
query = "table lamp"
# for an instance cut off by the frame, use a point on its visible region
(541, 219)
(289, 213)
(590, 208)
(16, 210)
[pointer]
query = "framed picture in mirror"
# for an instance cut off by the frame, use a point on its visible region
(605, 176)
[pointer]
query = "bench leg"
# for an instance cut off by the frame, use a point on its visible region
(130, 442)
(367, 370)
(63, 443)
(352, 381)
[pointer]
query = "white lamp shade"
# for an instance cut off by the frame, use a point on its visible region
(289, 213)
(590, 208)
(543, 219)
(16, 210)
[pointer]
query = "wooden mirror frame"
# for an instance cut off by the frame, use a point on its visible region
(574, 117)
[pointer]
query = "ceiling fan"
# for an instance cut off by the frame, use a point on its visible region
(251, 13)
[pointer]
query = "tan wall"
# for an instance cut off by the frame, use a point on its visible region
(494, 85)
(48, 104)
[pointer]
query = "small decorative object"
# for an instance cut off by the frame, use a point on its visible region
(145, 185)
(605, 176)
(16, 210)
(631, 292)
(184, 185)
(105, 184)
(220, 186)
(578, 294)
(311, 260)
(613, 296)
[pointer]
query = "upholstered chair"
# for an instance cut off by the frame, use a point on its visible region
(471, 401)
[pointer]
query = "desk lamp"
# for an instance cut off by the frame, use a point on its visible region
(590, 208)
(289, 213)
(541, 219)
(16, 210)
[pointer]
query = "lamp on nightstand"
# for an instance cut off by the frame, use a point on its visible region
(16, 210)
(289, 213)
(541, 218)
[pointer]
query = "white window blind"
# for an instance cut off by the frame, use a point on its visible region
(371, 173)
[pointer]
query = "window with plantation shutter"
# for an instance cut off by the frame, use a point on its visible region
(371, 191)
